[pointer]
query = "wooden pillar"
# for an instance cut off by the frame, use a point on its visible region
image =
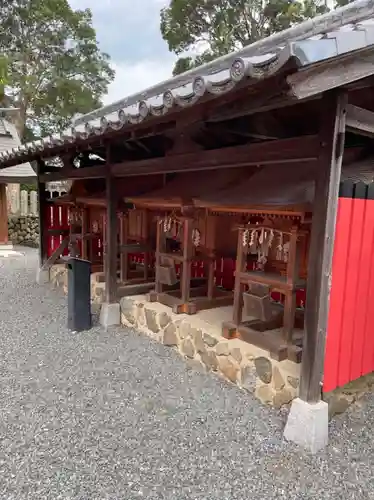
(187, 256)
(3, 215)
(42, 214)
(239, 287)
(111, 240)
(85, 232)
(332, 133)
(292, 277)
(160, 247)
(124, 258)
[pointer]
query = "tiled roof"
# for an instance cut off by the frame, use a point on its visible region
(296, 47)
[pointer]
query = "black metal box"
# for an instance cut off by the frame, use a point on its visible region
(79, 294)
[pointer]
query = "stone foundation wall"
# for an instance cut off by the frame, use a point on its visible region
(245, 365)
(24, 230)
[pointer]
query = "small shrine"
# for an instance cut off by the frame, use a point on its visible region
(274, 208)
(188, 241)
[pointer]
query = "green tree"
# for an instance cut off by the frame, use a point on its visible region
(55, 68)
(217, 27)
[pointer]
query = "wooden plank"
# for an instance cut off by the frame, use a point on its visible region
(111, 238)
(360, 121)
(340, 71)
(322, 244)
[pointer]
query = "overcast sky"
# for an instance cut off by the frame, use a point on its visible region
(129, 31)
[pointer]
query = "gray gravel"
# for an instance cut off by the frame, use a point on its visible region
(113, 415)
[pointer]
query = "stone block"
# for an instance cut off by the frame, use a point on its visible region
(150, 319)
(170, 335)
(229, 368)
(223, 349)
(265, 393)
(163, 319)
(209, 358)
(184, 329)
(248, 378)
(210, 340)
(282, 397)
(307, 424)
(293, 381)
(187, 348)
(197, 337)
(140, 314)
(236, 353)
(127, 310)
(278, 380)
(264, 369)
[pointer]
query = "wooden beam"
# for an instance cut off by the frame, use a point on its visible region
(322, 244)
(111, 250)
(96, 172)
(297, 149)
(56, 254)
(360, 121)
(326, 75)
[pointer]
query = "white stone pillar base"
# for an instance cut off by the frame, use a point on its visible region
(42, 276)
(307, 424)
(110, 315)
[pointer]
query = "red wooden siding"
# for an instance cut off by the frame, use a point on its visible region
(350, 334)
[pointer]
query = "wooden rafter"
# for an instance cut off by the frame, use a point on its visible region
(360, 121)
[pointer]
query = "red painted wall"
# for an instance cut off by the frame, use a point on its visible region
(350, 333)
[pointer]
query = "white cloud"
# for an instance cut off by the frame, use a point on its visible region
(135, 78)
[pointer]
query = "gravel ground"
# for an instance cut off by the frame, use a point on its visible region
(112, 415)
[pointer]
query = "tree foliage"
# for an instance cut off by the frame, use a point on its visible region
(217, 27)
(55, 68)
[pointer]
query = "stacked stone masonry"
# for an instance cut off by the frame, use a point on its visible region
(24, 230)
(243, 364)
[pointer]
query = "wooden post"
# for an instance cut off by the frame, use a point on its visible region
(238, 288)
(322, 243)
(3, 215)
(292, 277)
(42, 213)
(187, 256)
(111, 249)
(160, 247)
(85, 232)
(124, 258)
